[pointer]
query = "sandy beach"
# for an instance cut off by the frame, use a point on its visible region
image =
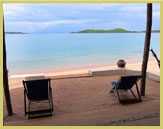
(81, 64)
(85, 100)
(152, 66)
(15, 81)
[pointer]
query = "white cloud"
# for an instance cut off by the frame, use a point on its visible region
(13, 9)
(32, 17)
(27, 26)
(156, 14)
(134, 8)
(57, 22)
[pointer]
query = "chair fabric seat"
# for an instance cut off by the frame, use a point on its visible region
(37, 91)
(126, 83)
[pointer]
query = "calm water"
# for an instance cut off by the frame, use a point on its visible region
(29, 53)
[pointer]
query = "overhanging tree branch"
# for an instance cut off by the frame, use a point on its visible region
(154, 54)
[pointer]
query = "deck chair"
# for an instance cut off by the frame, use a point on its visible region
(126, 83)
(38, 91)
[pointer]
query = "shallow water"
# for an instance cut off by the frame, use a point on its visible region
(36, 53)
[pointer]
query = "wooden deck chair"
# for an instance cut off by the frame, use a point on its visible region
(38, 91)
(126, 83)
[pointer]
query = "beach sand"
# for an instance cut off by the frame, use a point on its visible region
(152, 66)
(16, 80)
(86, 100)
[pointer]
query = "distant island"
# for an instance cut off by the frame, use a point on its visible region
(117, 30)
(8, 32)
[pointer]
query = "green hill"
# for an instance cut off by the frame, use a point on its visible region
(153, 31)
(15, 32)
(117, 30)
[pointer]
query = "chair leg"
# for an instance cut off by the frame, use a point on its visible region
(50, 107)
(25, 111)
(51, 101)
(112, 90)
(29, 109)
(133, 94)
(138, 92)
(118, 95)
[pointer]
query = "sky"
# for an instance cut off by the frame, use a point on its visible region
(65, 18)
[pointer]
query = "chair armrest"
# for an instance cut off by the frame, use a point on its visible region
(50, 88)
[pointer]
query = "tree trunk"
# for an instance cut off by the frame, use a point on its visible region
(5, 78)
(146, 48)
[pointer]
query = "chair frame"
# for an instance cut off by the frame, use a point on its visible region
(50, 100)
(117, 91)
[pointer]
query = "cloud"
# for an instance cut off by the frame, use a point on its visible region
(13, 9)
(27, 26)
(134, 8)
(156, 14)
(33, 17)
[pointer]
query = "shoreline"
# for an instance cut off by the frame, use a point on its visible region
(152, 66)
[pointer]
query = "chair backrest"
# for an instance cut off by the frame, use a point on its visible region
(37, 89)
(127, 82)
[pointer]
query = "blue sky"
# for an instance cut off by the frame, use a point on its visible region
(65, 18)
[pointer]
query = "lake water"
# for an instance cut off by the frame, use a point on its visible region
(37, 53)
